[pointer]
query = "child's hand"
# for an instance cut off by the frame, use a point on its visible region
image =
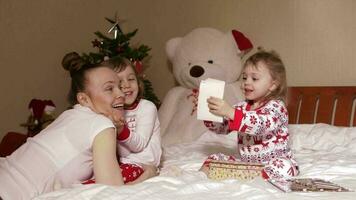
(119, 124)
(118, 121)
(194, 98)
(219, 107)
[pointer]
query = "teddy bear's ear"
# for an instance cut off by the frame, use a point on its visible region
(243, 43)
(171, 47)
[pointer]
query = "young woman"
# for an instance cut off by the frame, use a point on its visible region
(80, 142)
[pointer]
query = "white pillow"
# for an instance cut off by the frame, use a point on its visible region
(322, 137)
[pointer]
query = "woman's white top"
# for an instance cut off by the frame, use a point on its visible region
(60, 154)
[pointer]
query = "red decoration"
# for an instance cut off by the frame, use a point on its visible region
(38, 107)
(41, 116)
(138, 65)
(96, 43)
(119, 49)
(242, 41)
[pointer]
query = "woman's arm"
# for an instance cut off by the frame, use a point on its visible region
(106, 167)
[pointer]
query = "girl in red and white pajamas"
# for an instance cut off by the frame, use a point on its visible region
(139, 143)
(261, 120)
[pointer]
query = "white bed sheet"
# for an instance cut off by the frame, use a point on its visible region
(322, 151)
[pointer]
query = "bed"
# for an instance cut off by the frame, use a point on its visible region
(323, 138)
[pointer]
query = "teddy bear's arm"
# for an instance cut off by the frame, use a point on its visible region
(169, 107)
(218, 128)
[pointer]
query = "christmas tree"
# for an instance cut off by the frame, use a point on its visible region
(119, 47)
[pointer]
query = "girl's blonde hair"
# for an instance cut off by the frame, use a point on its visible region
(276, 68)
(121, 64)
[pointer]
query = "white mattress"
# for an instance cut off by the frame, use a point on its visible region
(322, 151)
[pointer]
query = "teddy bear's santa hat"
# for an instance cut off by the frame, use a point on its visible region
(243, 43)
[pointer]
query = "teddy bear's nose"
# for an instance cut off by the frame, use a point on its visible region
(196, 71)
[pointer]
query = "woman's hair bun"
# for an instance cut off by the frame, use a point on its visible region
(72, 62)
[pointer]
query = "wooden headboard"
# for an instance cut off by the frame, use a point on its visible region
(330, 104)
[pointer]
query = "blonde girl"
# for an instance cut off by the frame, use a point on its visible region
(261, 120)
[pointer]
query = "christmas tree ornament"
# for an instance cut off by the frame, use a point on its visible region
(115, 27)
(96, 43)
(138, 65)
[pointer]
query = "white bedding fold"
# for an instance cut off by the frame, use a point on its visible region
(322, 151)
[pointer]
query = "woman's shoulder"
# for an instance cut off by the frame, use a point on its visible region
(80, 120)
(81, 112)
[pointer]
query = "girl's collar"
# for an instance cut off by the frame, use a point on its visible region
(250, 103)
(133, 105)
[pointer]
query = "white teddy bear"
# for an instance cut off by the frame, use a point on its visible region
(203, 53)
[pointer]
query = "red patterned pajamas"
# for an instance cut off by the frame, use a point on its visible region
(262, 138)
(130, 172)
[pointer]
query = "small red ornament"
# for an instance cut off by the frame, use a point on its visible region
(96, 43)
(119, 49)
(138, 65)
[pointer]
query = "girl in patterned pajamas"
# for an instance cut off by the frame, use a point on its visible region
(139, 143)
(261, 120)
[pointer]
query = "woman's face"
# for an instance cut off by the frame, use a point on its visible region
(103, 92)
(129, 85)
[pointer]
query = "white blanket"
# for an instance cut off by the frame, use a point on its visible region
(322, 151)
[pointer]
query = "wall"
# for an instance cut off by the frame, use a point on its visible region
(315, 38)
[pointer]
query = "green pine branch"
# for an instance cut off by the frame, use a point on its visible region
(118, 48)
